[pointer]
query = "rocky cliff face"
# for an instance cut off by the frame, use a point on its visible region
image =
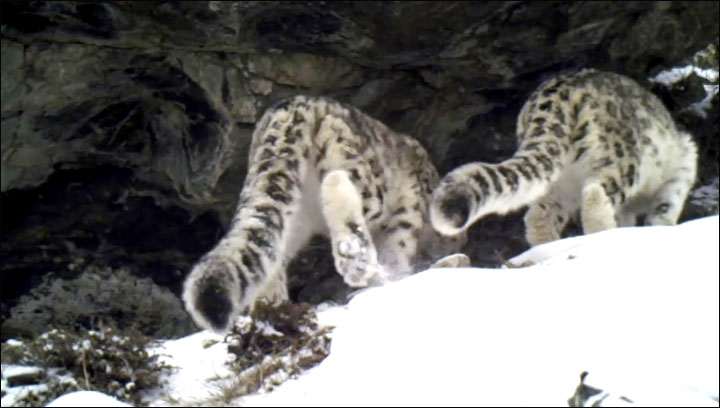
(125, 125)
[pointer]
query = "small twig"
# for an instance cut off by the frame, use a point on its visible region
(87, 378)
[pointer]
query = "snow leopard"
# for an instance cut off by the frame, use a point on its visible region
(590, 143)
(319, 167)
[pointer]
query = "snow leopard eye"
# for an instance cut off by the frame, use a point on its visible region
(662, 208)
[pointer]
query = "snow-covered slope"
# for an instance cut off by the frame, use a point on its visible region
(86, 399)
(636, 308)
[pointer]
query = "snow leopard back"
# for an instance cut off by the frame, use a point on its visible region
(591, 141)
(317, 166)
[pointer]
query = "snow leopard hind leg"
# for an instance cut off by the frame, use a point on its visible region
(354, 253)
(345, 200)
(376, 211)
(249, 261)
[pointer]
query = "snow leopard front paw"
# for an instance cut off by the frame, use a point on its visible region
(356, 261)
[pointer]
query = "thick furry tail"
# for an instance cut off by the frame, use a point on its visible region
(248, 263)
(474, 190)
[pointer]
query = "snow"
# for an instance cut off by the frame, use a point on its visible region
(86, 399)
(198, 358)
(635, 305)
(636, 308)
(12, 370)
(674, 75)
(17, 393)
(9, 371)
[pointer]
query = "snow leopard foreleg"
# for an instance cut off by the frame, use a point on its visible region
(408, 241)
(343, 172)
(625, 218)
(545, 220)
(602, 195)
(597, 210)
(400, 233)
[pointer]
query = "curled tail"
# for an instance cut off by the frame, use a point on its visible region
(477, 189)
(249, 261)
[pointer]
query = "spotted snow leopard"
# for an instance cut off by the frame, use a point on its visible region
(317, 166)
(591, 141)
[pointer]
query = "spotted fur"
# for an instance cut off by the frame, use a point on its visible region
(319, 167)
(591, 142)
